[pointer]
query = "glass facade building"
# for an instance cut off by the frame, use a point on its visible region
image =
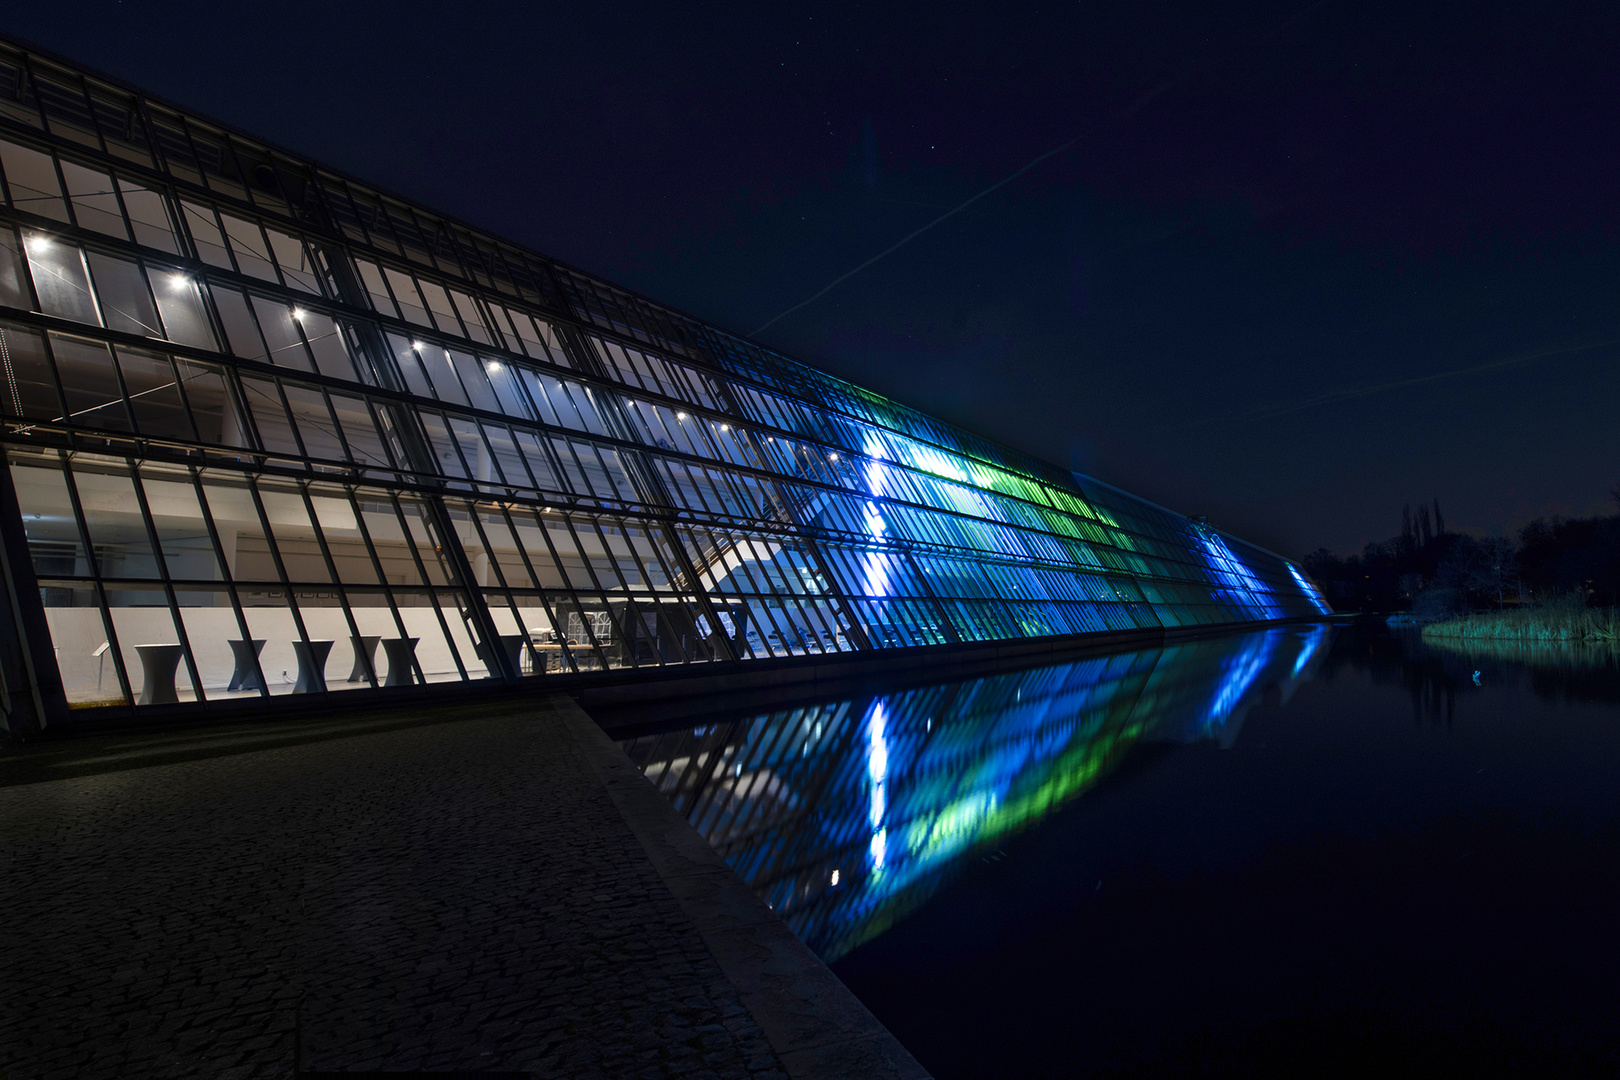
(269, 430)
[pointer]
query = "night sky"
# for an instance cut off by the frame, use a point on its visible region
(1294, 265)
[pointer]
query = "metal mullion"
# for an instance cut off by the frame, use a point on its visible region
(337, 425)
(700, 598)
(739, 494)
(585, 559)
(568, 579)
(450, 361)
(167, 580)
(630, 604)
(763, 595)
(292, 422)
(641, 565)
(683, 493)
(528, 564)
(226, 573)
(246, 421)
(523, 460)
(698, 480)
(503, 588)
(50, 357)
(450, 434)
(95, 572)
(635, 496)
(433, 592)
(331, 569)
(932, 598)
(185, 398)
(275, 556)
(376, 562)
(590, 400)
(494, 459)
(579, 465)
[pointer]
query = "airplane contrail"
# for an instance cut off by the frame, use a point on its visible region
(1123, 114)
(1335, 396)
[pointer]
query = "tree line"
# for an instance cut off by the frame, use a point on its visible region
(1435, 573)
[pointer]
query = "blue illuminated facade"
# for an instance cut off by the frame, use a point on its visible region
(271, 431)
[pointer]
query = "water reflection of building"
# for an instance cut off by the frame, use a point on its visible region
(845, 815)
(269, 430)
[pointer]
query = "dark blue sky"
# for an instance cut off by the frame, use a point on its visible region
(1244, 298)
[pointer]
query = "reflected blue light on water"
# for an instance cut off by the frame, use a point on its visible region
(846, 815)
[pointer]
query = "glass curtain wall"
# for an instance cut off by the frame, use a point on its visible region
(274, 431)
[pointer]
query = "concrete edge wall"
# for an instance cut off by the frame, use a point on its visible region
(819, 1030)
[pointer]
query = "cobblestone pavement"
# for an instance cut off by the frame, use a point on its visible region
(443, 896)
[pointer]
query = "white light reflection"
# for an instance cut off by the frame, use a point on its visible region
(877, 771)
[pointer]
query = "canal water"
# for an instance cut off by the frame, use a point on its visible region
(1312, 850)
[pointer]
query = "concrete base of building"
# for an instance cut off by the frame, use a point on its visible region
(612, 696)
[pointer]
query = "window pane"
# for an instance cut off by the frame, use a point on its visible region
(439, 304)
(275, 430)
(148, 217)
(247, 243)
(206, 235)
(439, 367)
(32, 179)
(94, 202)
(365, 446)
(188, 553)
(505, 381)
(410, 366)
(125, 303)
(295, 536)
(60, 279)
(371, 275)
(112, 515)
(281, 334)
(211, 406)
(475, 379)
(180, 305)
(410, 304)
(13, 287)
(471, 318)
(54, 542)
(294, 261)
(154, 396)
(326, 342)
(94, 398)
(30, 390)
(239, 324)
(314, 422)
